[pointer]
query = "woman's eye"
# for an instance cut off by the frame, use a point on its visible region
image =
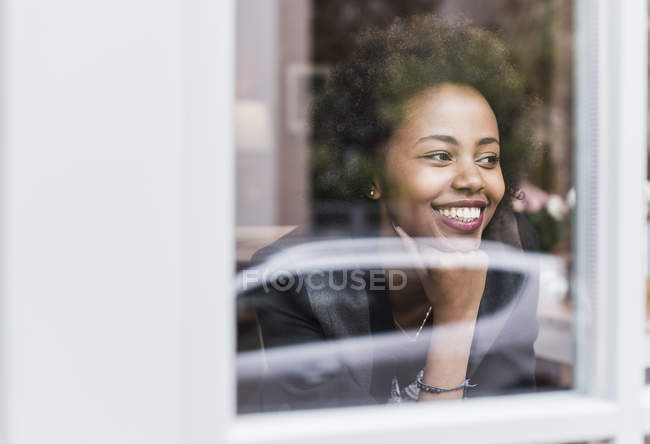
(490, 160)
(439, 157)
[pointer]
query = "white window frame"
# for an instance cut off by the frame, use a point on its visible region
(610, 103)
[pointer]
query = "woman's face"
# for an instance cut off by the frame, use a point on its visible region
(442, 172)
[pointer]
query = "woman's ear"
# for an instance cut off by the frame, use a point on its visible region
(374, 190)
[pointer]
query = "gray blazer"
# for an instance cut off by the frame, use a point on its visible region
(502, 358)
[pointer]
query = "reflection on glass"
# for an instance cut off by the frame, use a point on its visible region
(394, 238)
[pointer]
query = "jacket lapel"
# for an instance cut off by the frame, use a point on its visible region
(344, 313)
(503, 290)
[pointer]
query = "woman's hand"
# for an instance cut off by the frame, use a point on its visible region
(454, 284)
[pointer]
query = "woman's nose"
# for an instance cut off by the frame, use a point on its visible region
(468, 176)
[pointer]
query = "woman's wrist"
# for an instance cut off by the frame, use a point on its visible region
(455, 313)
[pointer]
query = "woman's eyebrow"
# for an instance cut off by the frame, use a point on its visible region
(440, 137)
(453, 141)
(487, 141)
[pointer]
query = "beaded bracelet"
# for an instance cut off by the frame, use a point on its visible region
(431, 389)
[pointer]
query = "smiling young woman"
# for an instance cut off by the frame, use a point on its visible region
(442, 181)
(423, 124)
(442, 177)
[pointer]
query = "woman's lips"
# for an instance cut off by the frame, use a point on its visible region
(466, 217)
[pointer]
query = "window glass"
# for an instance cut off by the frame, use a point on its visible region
(404, 201)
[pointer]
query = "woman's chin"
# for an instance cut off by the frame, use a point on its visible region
(455, 244)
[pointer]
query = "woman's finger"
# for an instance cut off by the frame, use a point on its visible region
(412, 248)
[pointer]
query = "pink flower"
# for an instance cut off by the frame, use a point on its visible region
(534, 198)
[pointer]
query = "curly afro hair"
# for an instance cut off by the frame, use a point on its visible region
(363, 101)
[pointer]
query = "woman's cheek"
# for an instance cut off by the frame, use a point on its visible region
(431, 186)
(497, 186)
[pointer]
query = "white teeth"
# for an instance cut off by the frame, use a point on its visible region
(466, 214)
